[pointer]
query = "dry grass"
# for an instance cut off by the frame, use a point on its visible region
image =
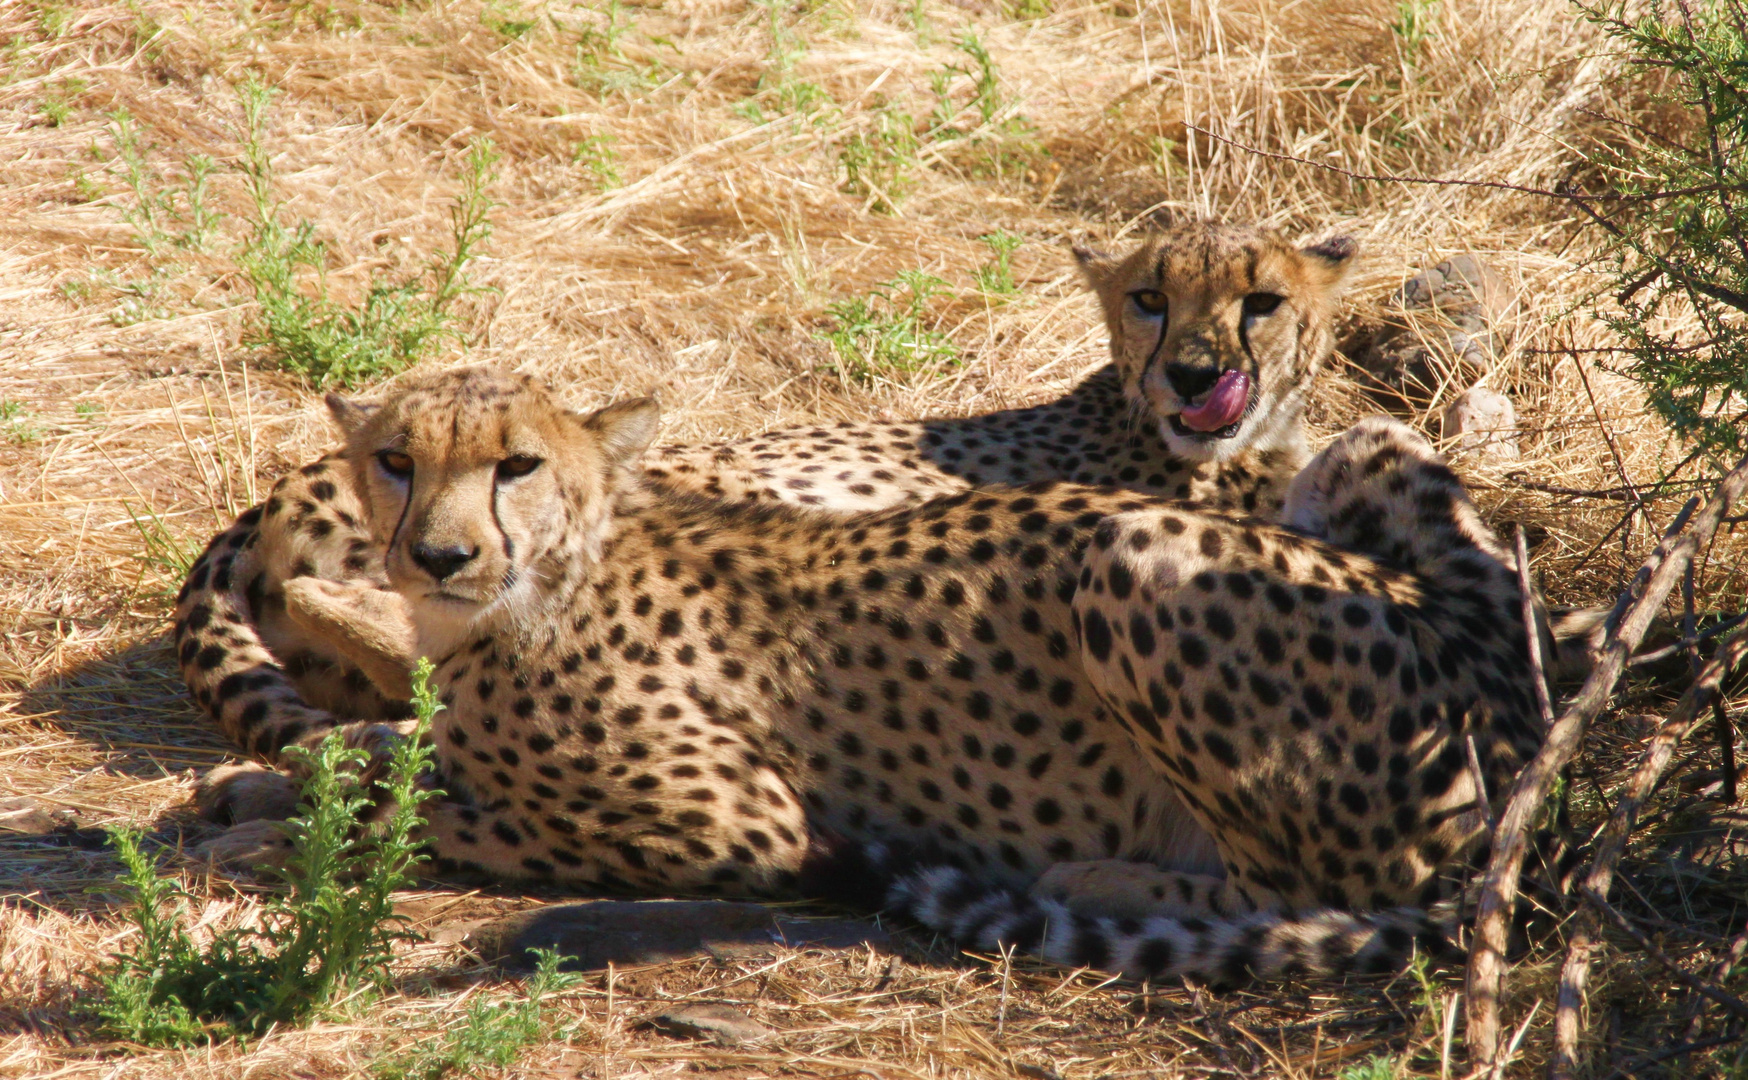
(705, 275)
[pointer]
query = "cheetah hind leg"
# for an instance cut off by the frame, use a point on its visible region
(369, 626)
(1117, 889)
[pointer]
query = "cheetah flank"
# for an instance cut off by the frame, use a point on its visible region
(662, 693)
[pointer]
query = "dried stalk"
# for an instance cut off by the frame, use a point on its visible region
(1626, 628)
(1706, 690)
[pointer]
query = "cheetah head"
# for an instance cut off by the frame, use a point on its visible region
(483, 490)
(1218, 329)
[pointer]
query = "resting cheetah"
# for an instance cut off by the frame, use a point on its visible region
(660, 692)
(1216, 333)
(1194, 309)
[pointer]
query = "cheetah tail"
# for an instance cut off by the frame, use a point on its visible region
(1224, 952)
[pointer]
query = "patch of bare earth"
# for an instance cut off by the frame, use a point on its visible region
(675, 216)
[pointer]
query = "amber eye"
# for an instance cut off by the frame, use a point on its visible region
(396, 464)
(1150, 301)
(1261, 303)
(517, 466)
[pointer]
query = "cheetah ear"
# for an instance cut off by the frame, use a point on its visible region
(1095, 266)
(1333, 257)
(625, 428)
(349, 415)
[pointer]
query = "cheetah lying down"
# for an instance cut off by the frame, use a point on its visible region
(1185, 312)
(1251, 733)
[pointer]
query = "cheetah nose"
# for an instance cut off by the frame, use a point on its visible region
(1191, 380)
(442, 562)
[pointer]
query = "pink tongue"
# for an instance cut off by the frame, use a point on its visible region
(1225, 404)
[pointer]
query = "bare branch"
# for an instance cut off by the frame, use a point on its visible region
(1613, 844)
(1626, 628)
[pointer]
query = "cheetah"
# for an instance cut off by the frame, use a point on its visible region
(1217, 332)
(1226, 324)
(998, 690)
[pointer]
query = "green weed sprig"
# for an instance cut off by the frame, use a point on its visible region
(334, 930)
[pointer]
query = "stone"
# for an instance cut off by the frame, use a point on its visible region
(1443, 330)
(629, 932)
(719, 1023)
(1482, 422)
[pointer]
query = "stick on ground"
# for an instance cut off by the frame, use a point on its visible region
(1627, 625)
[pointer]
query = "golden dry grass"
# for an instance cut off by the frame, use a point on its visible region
(705, 275)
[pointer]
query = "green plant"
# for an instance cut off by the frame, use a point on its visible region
(877, 160)
(202, 219)
(997, 278)
(506, 26)
(1376, 1067)
(57, 104)
(16, 423)
(1002, 139)
(596, 156)
(1414, 27)
(493, 1033)
(165, 554)
(397, 322)
(778, 83)
(151, 211)
(919, 23)
(1677, 224)
(332, 933)
(1027, 10)
(142, 299)
(887, 333)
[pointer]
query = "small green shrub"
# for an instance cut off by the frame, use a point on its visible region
(877, 161)
(334, 932)
(1677, 221)
(494, 1033)
(1413, 27)
(997, 278)
(396, 323)
(999, 140)
(595, 155)
(17, 424)
(887, 333)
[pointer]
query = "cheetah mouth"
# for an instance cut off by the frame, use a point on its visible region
(1178, 427)
(1222, 411)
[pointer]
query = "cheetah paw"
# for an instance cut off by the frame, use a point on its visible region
(251, 846)
(236, 794)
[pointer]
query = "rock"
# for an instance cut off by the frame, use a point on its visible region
(719, 1023)
(1483, 422)
(1443, 329)
(625, 932)
(26, 816)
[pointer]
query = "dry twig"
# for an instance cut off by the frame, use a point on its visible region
(1627, 624)
(1597, 880)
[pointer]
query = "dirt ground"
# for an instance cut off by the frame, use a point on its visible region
(688, 189)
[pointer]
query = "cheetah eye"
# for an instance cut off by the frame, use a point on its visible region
(1261, 303)
(517, 466)
(1150, 301)
(396, 464)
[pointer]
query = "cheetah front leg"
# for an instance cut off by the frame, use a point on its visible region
(367, 625)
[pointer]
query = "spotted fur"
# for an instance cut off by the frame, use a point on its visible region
(661, 693)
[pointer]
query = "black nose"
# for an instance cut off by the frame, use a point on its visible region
(441, 562)
(1190, 381)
